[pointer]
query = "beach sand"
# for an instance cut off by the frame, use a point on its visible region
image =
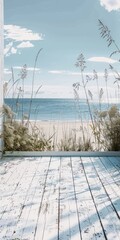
(57, 130)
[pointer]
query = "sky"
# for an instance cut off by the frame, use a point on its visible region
(63, 30)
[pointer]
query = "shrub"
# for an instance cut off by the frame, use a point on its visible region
(18, 138)
(72, 143)
(109, 125)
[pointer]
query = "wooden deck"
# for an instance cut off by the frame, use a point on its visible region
(60, 198)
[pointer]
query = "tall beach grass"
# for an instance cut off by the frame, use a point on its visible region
(100, 134)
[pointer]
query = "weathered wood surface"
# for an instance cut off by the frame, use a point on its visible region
(60, 198)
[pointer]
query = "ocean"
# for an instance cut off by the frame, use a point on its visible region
(52, 109)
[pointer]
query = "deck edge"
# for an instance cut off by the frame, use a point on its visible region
(60, 154)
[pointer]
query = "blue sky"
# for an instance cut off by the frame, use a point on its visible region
(63, 29)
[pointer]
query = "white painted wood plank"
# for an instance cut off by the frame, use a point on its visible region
(26, 186)
(112, 164)
(110, 178)
(49, 206)
(21, 196)
(16, 200)
(115, 161)
(8, 169)
(89, 220)
(69, 219)
(27, 221)
(106, 172)
(50, 203)
(47, 224)
(103, 205)
(7, 191)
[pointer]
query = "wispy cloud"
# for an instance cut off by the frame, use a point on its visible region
(7, 71)
(57, 71)
(25, 44)
(19, 38)
(110, 5)
(13, 50)
(19, 34)
(7, 49)
(70, 73)
(102, 59)
(28, 68)
(64, 72)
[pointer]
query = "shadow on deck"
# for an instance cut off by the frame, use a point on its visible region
(60, 198)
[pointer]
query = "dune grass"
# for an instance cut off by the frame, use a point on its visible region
(105, 125)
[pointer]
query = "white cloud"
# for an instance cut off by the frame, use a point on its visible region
(28, 68)
(102, 59)
(18, 33)
(13, 50)
(110, 5)
(100, 74)
(25, 44)
(57, 71)
(64, 72)
(7, 48)
(32, 69)
(7, 71)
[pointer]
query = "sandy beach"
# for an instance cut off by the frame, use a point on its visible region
(58, 130)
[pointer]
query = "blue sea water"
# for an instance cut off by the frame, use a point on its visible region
(52, 109)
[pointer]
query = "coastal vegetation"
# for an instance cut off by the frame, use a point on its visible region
(104, 125)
